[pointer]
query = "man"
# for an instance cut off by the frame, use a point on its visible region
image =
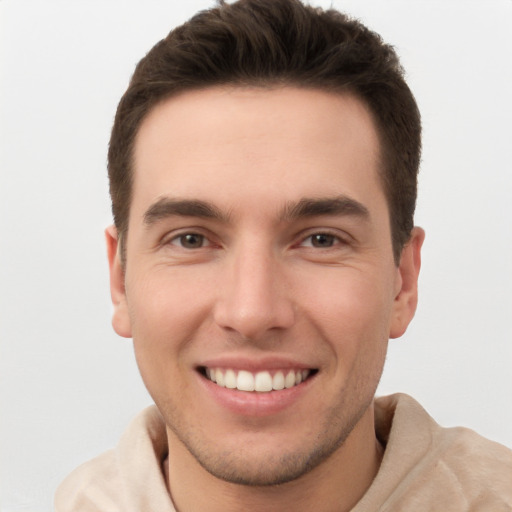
(263, 167)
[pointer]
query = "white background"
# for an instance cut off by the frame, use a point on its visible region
(69, 385)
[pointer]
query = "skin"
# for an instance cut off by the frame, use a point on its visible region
(263, 283)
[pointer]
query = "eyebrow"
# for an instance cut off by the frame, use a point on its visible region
(306, 207)
(313, 207)
(168, 207)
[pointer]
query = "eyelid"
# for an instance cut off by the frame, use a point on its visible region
(177, 240)
(342, 237)
(174, 235)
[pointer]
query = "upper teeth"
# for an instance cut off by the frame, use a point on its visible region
(260, 381)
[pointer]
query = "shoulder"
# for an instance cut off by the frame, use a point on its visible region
(93, 486)
(477, 468)
(124, 478)
(428, 467)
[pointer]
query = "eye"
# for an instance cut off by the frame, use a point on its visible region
(190, 241)
(321, 240)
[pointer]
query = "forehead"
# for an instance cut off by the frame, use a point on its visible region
(250, 144)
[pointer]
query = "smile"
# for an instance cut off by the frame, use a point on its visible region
(259, 382)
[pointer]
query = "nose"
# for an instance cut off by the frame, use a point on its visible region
(255, 298)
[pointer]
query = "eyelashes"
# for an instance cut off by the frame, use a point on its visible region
(322, 240)
(192, 240)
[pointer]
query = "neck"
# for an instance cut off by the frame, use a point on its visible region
(337, 484)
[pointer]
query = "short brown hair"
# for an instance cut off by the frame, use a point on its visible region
(269, 43)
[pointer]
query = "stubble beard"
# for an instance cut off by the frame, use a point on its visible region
(256, 470)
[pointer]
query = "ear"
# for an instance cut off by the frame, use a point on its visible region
(120, 318)
(406, 293)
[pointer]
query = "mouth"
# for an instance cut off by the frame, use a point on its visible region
(258, 382)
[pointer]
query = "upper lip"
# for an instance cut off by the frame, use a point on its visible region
(256, 364)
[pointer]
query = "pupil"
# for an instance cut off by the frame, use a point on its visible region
(192, 241)
(323, 240)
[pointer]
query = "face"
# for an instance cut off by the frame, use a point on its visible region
(260, 288)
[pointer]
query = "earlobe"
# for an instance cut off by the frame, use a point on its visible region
(120, 318)
(406, 298)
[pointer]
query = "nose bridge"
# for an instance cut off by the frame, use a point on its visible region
(254, 299)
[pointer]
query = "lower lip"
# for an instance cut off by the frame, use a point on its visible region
(251, 403)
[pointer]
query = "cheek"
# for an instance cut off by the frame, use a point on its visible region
(163, 317)
(166, 311)
(166, 301)
(349, 298)
(352, 310)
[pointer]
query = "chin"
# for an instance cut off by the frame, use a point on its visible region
(274, 470)
(263, 459)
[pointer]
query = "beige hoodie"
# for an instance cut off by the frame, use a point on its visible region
(425, 468)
